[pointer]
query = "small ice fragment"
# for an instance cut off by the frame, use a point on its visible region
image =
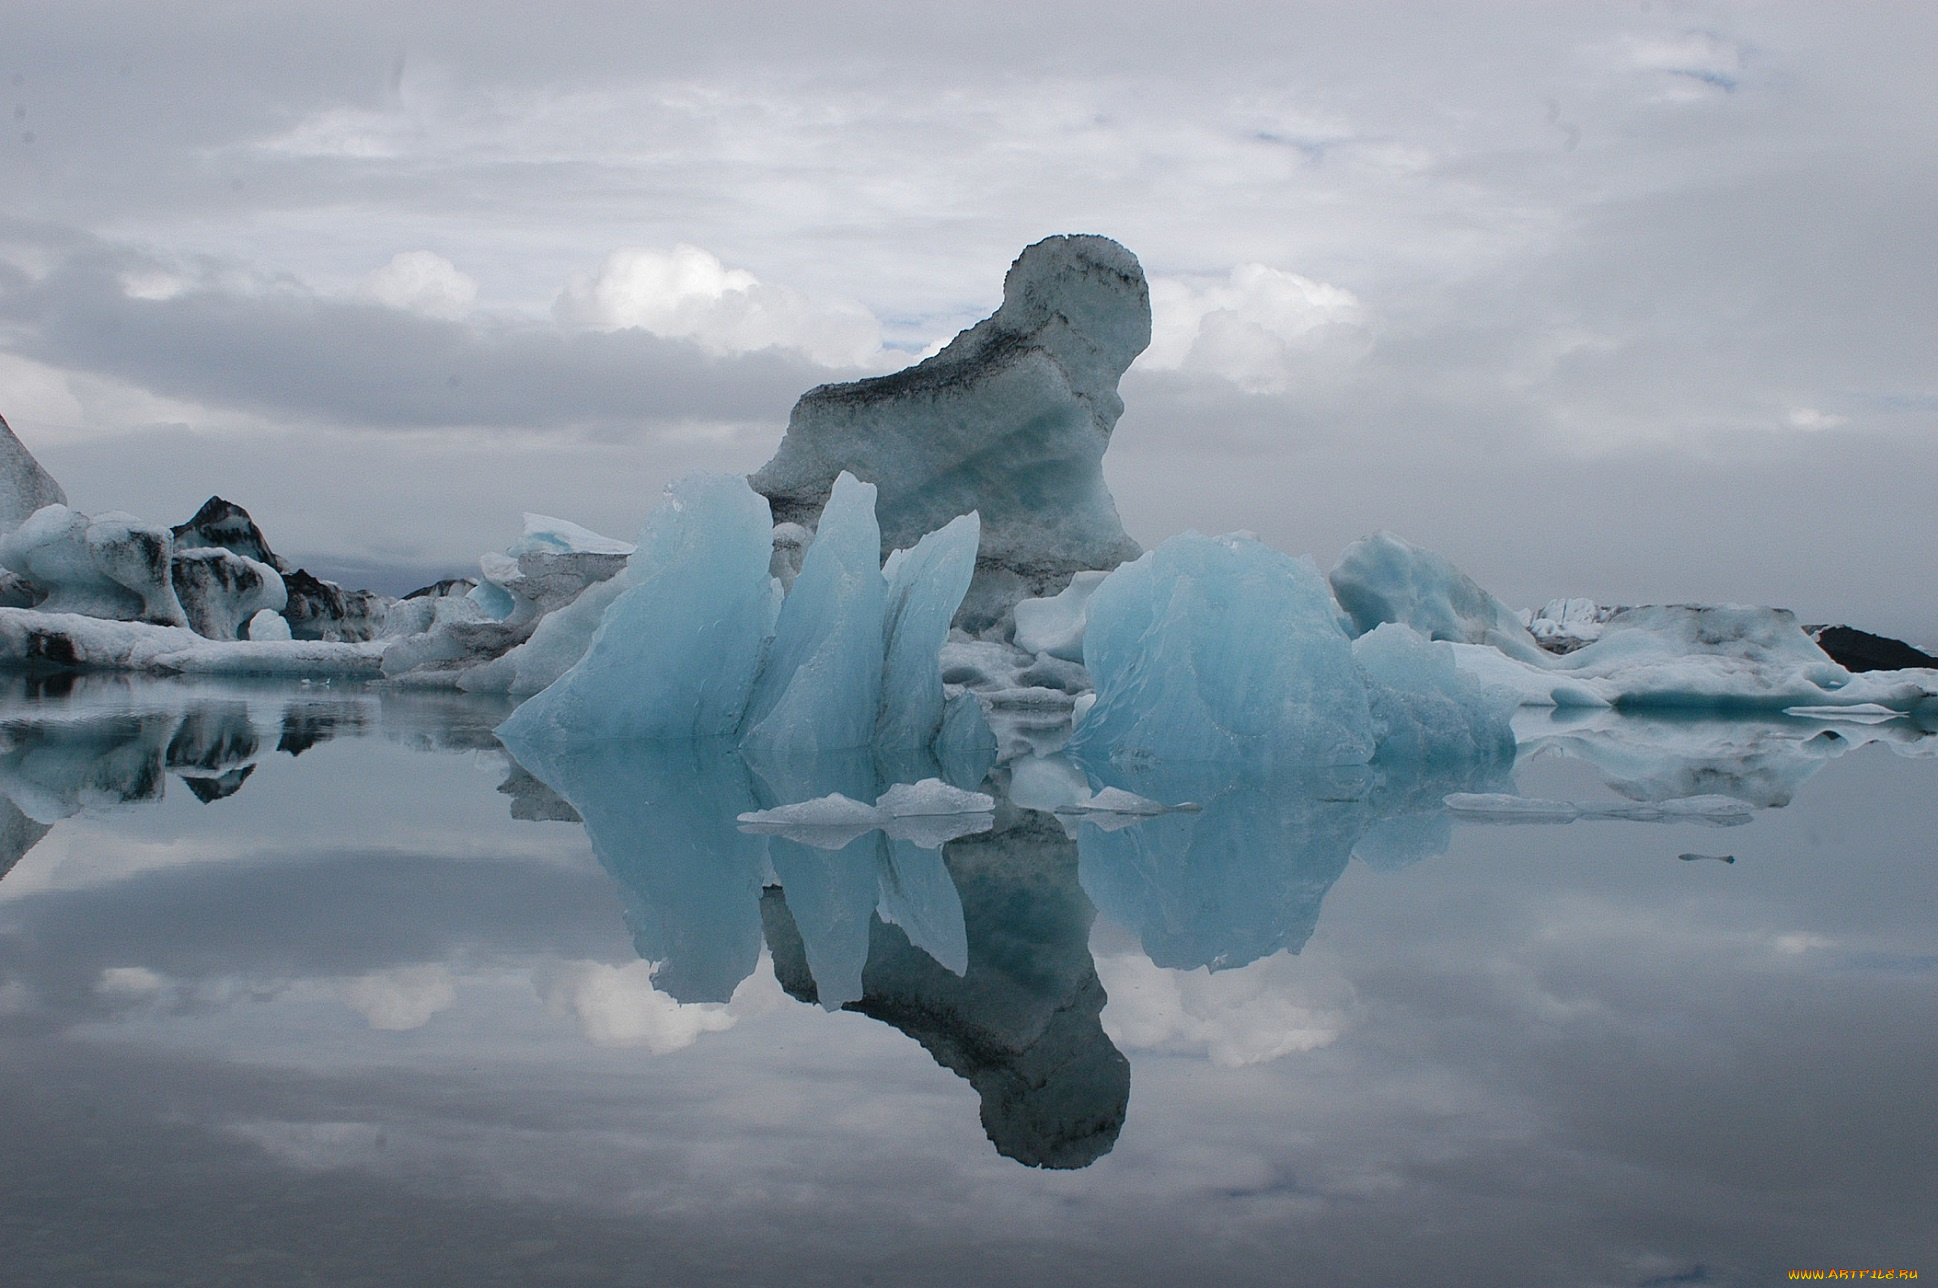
(832, 810)
(268, 624)
(1862, 713)
(931, 798)
(1499, 807)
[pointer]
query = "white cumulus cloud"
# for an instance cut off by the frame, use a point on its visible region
(618, 1006)
(1259, 327)
(423, 281)
(397, 1000)
(687, 293)
(1239, 1017)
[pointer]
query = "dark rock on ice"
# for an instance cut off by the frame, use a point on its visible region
(24, 485)
(1856, 650)
(1010, 420)
(224, 525)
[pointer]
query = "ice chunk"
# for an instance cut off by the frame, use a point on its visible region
(1221, 649)
(24, 486)
(555, 645)
(1011, 420)
(89, 643)
(267, 626)
(1385, 579)
(791, 542)
(821, 686)
(676, 654)
(832, 811)
(1728, 656)
(547, 535)
(112, 566)
(1564, 625)
(1055, 625)
(322, 610)
(925, 586)
(1424, 710)
(220, 591)
(224, 525)
(931, 798)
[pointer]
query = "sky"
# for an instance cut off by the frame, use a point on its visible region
(1630, 301)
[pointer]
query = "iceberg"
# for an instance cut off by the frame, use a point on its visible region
(677, 652)
(220, 591)
(1054, 626)
(1010, 420)
(925, 587)
(24, 485)
(1424, 710)
(1221, 649)
(111, 566)
(1385, 579)
(820, 688)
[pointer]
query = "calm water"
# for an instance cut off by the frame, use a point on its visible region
(315, 985)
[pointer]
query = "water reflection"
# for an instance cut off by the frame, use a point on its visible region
(979, 948)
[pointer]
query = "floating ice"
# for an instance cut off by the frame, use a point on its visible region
(1386, 579)
(677, 652)
(1055, 625)
(220, 591)
(926, 813)
(1564, 625)
(32, 637)
(111, 566)
(1221, 649)
(1424, 710)
(925, 587)
(267, 626)
(1010, 420)
(820, 687)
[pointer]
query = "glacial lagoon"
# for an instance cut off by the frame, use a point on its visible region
(317, 983)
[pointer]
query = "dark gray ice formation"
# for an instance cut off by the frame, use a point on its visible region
(224, 525)
(24, 485)
(1010, 420)
(1024, 1023)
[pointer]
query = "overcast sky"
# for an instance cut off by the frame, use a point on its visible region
(1634, 301)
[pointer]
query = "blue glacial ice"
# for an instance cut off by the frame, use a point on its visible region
(925, 586)
(1385, 579)
(677, 652)
(820, 688)
(1221, 649)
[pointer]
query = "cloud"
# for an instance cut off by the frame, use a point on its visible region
(618, 1006)
(283, 351)
(1258, 327)
(420, 281)
(400, 999)
(1266, 1010)
(687, 293)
